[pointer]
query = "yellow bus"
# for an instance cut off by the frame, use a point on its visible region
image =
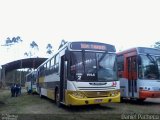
(80, 73)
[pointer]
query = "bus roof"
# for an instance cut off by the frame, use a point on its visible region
(141, 50)
(84, 45)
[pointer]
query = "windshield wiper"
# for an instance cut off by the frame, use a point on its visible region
(104, 54)
(151, 59)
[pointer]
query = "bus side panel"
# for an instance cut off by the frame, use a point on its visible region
(149, 89)
(124, 87)
(51, 94)
(48, 84)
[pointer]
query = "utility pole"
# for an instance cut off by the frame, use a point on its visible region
(20, 72)
(3, 77)
(0, 77)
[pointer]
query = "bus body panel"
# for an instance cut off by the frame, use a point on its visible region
(82, 93)
(72, 100)
(124, 87)
(149, 89)
(91, 86)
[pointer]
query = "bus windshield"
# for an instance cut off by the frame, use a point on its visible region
(93, 66)
(149, 67)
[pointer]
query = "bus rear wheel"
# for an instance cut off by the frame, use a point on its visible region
(40, 93)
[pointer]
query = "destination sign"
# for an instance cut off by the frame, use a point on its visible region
(92, 46)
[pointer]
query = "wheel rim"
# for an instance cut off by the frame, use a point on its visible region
(57, 97)
(40, 94)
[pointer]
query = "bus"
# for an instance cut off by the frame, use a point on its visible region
(139, 73)
(80, 73)
(30, 83)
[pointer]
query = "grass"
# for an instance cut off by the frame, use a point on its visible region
(32, 106)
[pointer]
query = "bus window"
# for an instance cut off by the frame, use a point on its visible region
(93, 66)
(158, 63)
(48, 64)
(90, 66)
(106, 68)
(90, 62)
(57, 59)
(120, 63)
(56, 66)
(149, 67)
(140, 73)
(41, 71)
(52, 61)
(134, 64)
(76, 68)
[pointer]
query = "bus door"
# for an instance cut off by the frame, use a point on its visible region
(63, 78)
(132, 76)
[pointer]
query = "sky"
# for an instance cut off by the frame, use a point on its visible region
(123, 23)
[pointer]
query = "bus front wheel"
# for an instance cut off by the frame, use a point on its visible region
(57, 98)
(141, 100)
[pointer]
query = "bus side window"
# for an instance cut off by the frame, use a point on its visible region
(120, 65)
(48, 68)
(41, 71)
(140, 75)
(52, 65)
(56, 63)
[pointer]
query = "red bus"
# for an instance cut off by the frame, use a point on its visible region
(139, 73)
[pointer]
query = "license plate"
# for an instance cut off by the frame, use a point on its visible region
(98, 100)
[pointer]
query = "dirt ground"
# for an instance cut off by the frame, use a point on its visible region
(33, 107)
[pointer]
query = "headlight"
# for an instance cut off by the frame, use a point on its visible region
(78, 94)
(114, 93)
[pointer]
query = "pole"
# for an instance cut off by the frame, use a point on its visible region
(0, 77)
(3, 77)
(20, 73)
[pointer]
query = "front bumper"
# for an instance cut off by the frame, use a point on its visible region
(72, 100)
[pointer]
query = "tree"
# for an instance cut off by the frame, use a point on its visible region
(28, 54)
(34, 45)
(49, 48)
(8, 42)
(11, 41)
(16, 39)
(157, 45)
(63, 42)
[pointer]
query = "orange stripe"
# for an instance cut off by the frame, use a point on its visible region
(149, 94)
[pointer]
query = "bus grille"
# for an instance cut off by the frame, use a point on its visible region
(91, 94)
(109, 88)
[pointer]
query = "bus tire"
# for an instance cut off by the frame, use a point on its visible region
(122, 100)
(141, 100)
(57, 98)
(40, 94)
